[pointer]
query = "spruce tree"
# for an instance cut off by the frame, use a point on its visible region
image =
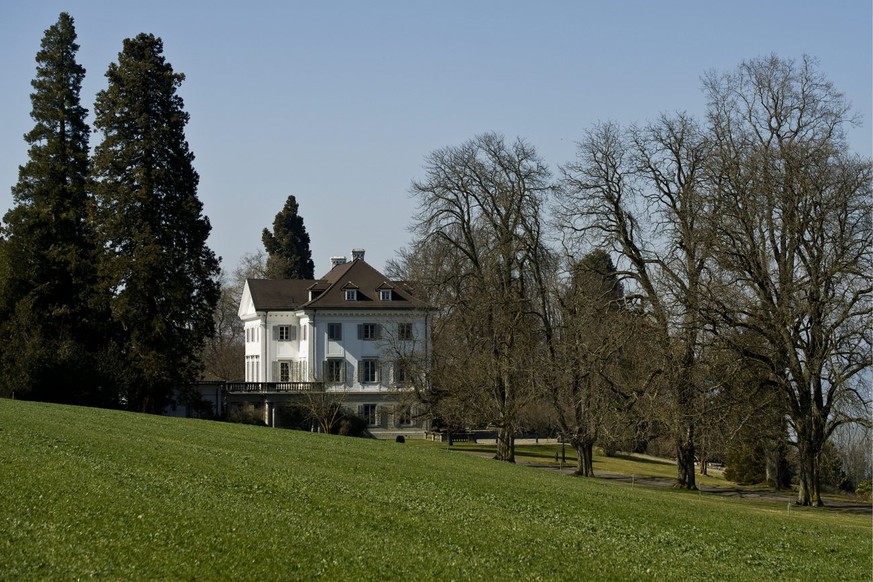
(162, 275)
(50, 304)
(287, 246)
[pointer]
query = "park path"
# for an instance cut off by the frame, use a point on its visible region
(831, 502)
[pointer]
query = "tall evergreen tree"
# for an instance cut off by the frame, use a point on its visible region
(288, 245)
(50, 310)
(162, 275)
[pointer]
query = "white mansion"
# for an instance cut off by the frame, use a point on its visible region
(353, 333)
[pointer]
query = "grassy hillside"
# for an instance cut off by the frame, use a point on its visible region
(115, 495)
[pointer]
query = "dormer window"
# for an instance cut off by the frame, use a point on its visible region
(385, 294)
(351, 294)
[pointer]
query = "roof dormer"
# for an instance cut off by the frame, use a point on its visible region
(350, 291)
(386, 291)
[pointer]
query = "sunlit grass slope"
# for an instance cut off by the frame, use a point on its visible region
(124, 496)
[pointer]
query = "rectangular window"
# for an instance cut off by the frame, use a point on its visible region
(404, 331)
(399, 373)
(335, 331)
(369, 371)
(385, 294)
(368, 411)
(369, 331)
(334, 370)
(351, 294)
(303, 330)
(404, 416)
(284, 371)
(284, 332)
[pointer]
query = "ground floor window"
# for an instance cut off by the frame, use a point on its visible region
(368, 412)
(403, 415)
(284, 371)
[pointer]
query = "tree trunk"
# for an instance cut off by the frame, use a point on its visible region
(584, 457)
(808, 493)
(774, 454)
(505, 445)
(685, 460)
(703, 469)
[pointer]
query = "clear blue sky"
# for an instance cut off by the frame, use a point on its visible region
(339, 103)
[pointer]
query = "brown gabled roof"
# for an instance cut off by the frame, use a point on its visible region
(358, 274)
(279, 294)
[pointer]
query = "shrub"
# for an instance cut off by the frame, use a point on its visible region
(864, 490)
(744, 466)
(293, 416)
(351, 424)
(245, 414)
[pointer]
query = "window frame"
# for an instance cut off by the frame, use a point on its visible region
(336, 365)
(404, 331)
(369, 332)
(351, 294)
(335, 331)
(369, 371)
(386, 295)
(372, 418)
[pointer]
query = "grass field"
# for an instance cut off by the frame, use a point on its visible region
(93, 493)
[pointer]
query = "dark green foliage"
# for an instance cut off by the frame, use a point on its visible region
(293, 416)
(288, 245)
(51, 309)
(162, 276)
(351, 424)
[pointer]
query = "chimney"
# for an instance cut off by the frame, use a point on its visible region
(358, 254)
(337, 261)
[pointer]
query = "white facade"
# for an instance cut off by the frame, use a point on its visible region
(347, 350)
(353, 330)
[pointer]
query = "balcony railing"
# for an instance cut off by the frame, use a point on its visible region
(272, 387)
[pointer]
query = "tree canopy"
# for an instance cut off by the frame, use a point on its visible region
(50, 304)
(162, 275)
(287, 245)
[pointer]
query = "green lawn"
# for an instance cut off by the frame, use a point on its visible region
(619, 464)
(124, 496)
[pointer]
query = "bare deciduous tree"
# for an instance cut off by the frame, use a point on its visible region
(224, 352)
(793, 233)
(656, 171)
(481, 205)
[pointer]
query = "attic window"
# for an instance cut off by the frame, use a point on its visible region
(351, 294)
(385, 295)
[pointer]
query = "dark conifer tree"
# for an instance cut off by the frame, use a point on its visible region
(50, 307)
(162, 275)
(287, 246)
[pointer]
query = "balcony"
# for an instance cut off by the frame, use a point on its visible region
(272, 387)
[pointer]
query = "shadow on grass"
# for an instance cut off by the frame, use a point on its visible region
(643, 460)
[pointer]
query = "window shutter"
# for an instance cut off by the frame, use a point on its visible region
(292, 335)
(344, 373)
(275, 333)
(275, 368)
(360, 331)
(378, 331)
